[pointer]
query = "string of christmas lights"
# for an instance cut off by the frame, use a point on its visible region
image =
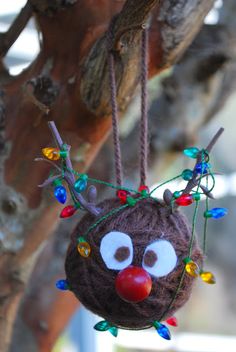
(129, 197)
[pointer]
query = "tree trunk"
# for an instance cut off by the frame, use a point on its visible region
(68, 83)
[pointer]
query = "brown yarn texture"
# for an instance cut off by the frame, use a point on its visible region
(94, 284)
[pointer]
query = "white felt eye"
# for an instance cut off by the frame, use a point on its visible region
(116, 250)
(159, 258)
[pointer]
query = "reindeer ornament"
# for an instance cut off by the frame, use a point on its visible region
(133, 258)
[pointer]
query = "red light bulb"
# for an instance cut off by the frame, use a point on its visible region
(143, 189)
(122, 195)
(172, 321)
(184, 200)
(68, 211)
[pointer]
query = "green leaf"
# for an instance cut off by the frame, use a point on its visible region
(102, 326)
(113, 330)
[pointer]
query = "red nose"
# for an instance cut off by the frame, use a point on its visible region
(133, 284)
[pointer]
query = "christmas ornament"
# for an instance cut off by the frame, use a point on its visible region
(133, 259)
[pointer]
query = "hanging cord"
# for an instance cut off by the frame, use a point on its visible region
(114, 107)
(144, 109)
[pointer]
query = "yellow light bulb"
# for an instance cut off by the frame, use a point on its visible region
(192, 269)
(208, 277)
(84, 249)
(51, 153)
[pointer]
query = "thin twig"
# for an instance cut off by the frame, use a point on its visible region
(69, 176)
(61, 145)
(49, 181)
(92, 194)
(48, 161)
(167, 196)
(193, 182)
(206, 192)
(214, 139)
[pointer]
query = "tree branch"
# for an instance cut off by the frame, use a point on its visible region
(8, 39)
(127, 29)
(50, 7)
(132, 18)
(172, 28)
(179, 22)
(211, 56)
(26, 126)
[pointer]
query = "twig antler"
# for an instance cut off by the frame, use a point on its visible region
(69, 175)
(168, 196)
(194, 180)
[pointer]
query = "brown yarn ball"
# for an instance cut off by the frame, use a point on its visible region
(94, 284)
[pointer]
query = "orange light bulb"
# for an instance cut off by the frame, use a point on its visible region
(51, 153)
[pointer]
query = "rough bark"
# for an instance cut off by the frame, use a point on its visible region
(187, 99)
(53, 87)
(196, 90)
(49, 8)
(173, 27)
(52, 307)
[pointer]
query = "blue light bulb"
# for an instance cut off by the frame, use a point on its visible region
(60, 193)
(202, 168)
(81, 184)
(162, 330)
(191, 152)
(187, 174)
(113, 330)
(216, 213)
(62, 285)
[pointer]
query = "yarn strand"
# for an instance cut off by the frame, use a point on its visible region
(144, 109)
(114, 107)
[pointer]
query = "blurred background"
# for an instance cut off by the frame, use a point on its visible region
(208, 321)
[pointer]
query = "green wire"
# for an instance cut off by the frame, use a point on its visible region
(175, 295)
(113, 186)
(205, 224)
(195, 213)
(104, 182)
(193, 229)
(162, 184)
(213, 180)
(123, 188)
(189, 250)
(112, 212)
(73, 198)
